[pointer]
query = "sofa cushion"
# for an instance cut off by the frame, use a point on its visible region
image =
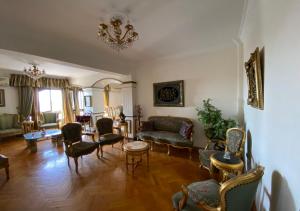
(49, 125)
(186, 130)
(147, 126)
(168, 123)
(165, 137)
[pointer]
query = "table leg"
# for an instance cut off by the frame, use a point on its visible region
(132, 163)
(148, 158)
(126, 161)
(32, 146)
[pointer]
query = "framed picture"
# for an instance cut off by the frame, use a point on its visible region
(88, 101)
(169, 94)
(255, 76)
(2, 98)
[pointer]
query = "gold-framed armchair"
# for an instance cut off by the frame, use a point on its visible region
(48, 120)
(237, 193)
(234, 143)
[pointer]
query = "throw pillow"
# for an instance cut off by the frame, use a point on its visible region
(147, 126)
(186, 130)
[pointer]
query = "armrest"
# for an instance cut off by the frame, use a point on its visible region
(201, 205)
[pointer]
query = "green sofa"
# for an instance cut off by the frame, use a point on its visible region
(9, 125)
(166, 130)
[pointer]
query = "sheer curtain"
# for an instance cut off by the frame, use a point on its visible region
(67, 105)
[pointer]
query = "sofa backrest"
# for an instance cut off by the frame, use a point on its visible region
(168, 123)
(8, 121)
(49, 117)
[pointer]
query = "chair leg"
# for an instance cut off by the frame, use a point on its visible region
(168, 149)
(101, 149)
(7, 172)
(190, 151)
(68, 160)
(98, 152)
(76, 164)
(122, 144)
(151, 145)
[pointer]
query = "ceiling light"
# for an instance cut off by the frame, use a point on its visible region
(34, 72)
(116, 36)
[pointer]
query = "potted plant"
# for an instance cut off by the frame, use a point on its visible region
(215, 126)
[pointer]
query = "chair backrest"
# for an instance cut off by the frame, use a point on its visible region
(49, 117)
(104, 126)
(235, 140)
(239, 192)
(72, 132)
(169, 123)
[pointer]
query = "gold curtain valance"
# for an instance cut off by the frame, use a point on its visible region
(17, 80)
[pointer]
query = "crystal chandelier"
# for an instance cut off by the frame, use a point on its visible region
(116, 36)
(34, 72)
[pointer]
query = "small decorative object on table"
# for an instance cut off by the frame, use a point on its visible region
(227, 155)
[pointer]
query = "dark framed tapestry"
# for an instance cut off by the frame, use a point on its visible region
(2, 98)
(255, 76)
(169, 94)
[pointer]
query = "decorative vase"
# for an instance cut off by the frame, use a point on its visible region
(122, 117)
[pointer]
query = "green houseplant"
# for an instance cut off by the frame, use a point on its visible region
(215, 126)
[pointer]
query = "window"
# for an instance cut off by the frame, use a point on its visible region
(50, 100)
(80, 100)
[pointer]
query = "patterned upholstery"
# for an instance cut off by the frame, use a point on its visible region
(189, 206)
(234, 139)
(166, 137)
(75, 147)
(205, 191)
(9, 125)
(234, 144)
(237, 193)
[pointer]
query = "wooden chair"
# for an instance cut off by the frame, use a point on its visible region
(235, 194)
(75, 147)
(106, 135)
(4, 164)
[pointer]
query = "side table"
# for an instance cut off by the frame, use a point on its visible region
(136, 149)
(226, 166)
(27, 126)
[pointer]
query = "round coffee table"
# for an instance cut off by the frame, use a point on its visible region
(232, 165)
(133, 150)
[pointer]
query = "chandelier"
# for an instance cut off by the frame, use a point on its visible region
(34, 72)
(116, 36)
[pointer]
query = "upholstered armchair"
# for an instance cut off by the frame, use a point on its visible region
(235, 194)
(48, 120)
(74, 146)
(235, 141)
(106, 135)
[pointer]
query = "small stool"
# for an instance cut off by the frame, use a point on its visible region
(136, 149)
(4, 164)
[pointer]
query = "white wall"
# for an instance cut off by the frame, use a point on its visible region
(206, 75)
(115, 97)
(275, 130)
(11, 96)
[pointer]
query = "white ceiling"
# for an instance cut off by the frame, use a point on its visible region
(66, 29)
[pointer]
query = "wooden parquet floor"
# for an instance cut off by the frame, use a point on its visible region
(43, 181)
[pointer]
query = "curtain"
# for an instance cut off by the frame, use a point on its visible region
(67, 105)
(17, 80)
(76, 100)
(106, 95)
(36, 108)
(25, 101)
